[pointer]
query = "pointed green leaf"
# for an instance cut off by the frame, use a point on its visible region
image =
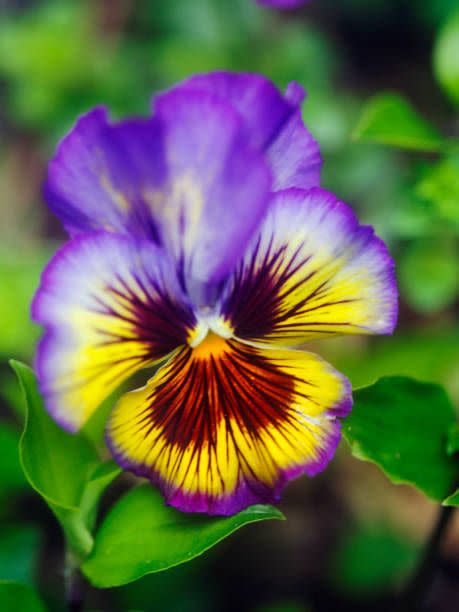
(141, 535)
(17, 596)
(401, 425)
(452, 500)
(389, 119)
(63, 468)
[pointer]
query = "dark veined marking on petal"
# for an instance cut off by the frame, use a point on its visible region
(151, 316)
(237, 387)
(145, 319)
(258, 302)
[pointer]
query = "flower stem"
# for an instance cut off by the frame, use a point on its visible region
(74, 587)
(414, 595)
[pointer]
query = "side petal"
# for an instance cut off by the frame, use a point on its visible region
(102, 172)
(272, 123)
(226, 425)
(109, 306)
(311, 271)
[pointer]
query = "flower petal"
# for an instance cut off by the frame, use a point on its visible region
(110, 306)
(217, 190)
(226, 425)
(272, 123)
(186, 179)
(101, 174)
(311, 271)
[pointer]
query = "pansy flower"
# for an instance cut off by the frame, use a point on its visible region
(202, 246)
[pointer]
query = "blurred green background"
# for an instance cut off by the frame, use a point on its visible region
(351, 537)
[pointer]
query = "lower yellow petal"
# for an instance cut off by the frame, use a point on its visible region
(225, 425)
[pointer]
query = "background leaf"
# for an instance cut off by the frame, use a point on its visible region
(446, 57)
(391, 120)
(63, 468)
(16, 596)
(401, 425)
(141, 535)
(429, 274)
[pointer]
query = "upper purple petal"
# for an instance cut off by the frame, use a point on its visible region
(186, 178)
(272, 123)
(217, 190)
(100, 172)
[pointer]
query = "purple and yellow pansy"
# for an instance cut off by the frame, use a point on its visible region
(202, 243)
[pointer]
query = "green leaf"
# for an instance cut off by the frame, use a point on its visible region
(452, 500)
(141, 535)
(78, 523)
(389, 119)
(429, 274)
(452, 445)
(401, 425)
(446, 57)
(16, 596)
(452, 448)
(63, 468)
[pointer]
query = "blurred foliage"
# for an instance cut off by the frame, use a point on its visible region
(19, 552)
(20, 277)
(429, 274)
(17, 596)
(446, 57)
(389, 119)
(368, 560)
(57, 59)
(12, 479)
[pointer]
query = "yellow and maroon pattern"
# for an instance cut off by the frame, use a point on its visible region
(111, 307)
(225, 424)
(312, 271)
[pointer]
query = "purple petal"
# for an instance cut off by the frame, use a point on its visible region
(101, 172)
(186, 179)
(272, 123)
(217, 187)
